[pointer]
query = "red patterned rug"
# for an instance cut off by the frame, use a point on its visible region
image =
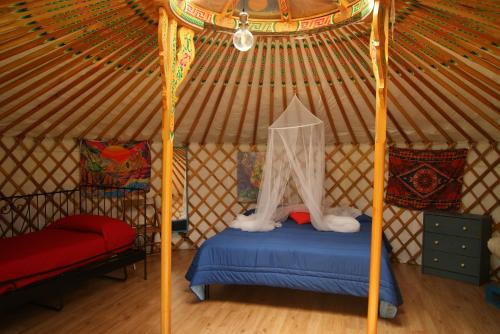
(425, 179)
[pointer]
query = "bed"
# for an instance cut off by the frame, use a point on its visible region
(297, 257)
(66, 244)
(57, 240)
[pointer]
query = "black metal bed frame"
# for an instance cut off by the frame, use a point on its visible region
(30, 213)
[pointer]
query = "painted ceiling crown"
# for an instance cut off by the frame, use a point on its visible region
(271, 16)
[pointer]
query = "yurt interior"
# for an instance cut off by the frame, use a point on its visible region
(249, 166)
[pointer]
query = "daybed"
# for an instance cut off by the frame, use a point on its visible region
(45, 262)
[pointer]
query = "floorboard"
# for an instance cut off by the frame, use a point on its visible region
(432, 305)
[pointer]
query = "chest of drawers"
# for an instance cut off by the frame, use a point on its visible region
(454, 246)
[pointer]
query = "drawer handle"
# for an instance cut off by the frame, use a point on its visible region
(435, 259)
(436, 242)
(436, 224)
(464, 247)
(464, 228)
(462, 265)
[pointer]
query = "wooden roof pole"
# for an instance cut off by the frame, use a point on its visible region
(173, 70)
(379, 53)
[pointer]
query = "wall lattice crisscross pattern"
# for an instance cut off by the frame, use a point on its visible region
(29, 166)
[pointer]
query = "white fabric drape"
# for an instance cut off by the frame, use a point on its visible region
(295, 152)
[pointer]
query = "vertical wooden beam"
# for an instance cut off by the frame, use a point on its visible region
(379, 54)
(166, 43)
(173, 71)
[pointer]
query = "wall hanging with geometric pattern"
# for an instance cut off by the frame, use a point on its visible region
(426, 179)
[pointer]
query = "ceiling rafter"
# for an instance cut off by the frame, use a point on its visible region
(272, 81)
(334, 90)
(328, 113)
(40, 29)
(444, 71)
(236, 86)
(136, 96)
(93, 69)
(112, 92)
(454, 25)
(71, 42)
(113, 79)
(44, 37)
(260, 83)
(144, 125)
(339, 102)
(424, 95)
(223, 57)
(291, 63)
(363, 72)
(54, 62)
(248, 90)
(283, 76)
(128, 109)
(318, 49)
(205, 70)
(487, 12)
(416, 58)
(396, 80)
(234, 56)
(400, 58)
(442, 36)
(450, 61)
(305, 75)
(134, 118)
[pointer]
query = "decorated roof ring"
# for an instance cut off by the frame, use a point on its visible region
(270, 16)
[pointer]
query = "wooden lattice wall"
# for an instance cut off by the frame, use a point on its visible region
(28, 166)
(213, 200)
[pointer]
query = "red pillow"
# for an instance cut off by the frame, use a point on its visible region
(301, 217)
(115, 232)
(81, 223)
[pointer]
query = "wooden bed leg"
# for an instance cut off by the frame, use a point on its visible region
(145, 267)
(207, 291)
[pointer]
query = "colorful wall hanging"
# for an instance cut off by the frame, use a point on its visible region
(249, 173)
(124, 165)
(426, 179)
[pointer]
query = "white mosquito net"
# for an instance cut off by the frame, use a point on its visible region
(293, 176)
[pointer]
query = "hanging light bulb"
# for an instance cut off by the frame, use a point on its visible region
(243, 38)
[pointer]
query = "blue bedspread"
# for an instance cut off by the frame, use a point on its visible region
(294, 256)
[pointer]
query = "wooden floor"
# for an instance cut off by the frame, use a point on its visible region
(431, 305)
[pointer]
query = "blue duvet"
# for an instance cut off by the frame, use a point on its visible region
(293, 256)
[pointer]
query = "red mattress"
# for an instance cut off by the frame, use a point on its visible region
(64, 245)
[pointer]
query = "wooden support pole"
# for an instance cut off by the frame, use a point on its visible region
(173, 69)
(167, 43)
(379, 54)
